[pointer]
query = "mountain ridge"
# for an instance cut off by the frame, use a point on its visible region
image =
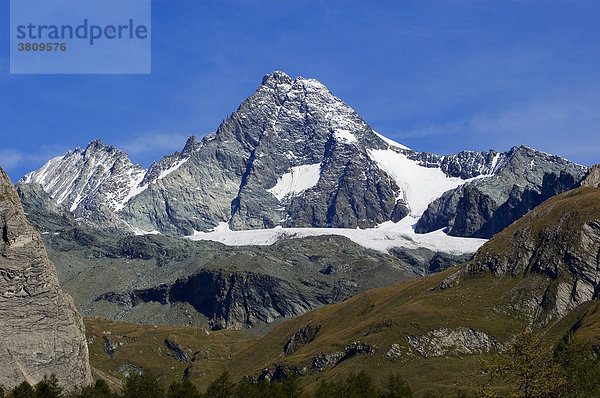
(294, 155)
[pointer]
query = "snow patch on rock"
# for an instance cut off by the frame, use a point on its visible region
(298, 180)
(345, 136)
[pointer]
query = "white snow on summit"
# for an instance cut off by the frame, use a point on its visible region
(298, 180)
(100, 172)
(391, 142)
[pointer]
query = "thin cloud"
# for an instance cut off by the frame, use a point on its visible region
(9, 158)
(154, 142)
(17, 163)
(12, 158)
(536, 120)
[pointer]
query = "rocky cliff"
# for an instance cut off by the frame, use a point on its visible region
(555, 253)
(484, 207)
(40, 330)
(592, 179)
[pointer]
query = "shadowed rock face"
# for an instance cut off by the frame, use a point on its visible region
(40, 330)
(484, 207)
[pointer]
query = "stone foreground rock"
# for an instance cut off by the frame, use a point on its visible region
(40, 330)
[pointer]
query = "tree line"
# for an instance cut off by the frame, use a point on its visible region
(527, 367)
(357, 385)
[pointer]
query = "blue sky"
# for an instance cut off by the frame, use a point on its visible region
(437, 76)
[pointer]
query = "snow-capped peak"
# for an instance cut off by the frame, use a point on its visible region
(102, 174)
(291, 155)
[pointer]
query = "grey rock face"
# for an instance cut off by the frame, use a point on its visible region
(286, 128)
(427, 262)
(396, 351)
(89, 182)
(292, 155)
(95, 183)
(465, 164)
(325, 361)
(231, 288)
(162, 280)
(302, 337)
(485, 206)
(229, 300)
(179, 353)
(592, 179)
(459, 341)
(109, 347)
(40, 330)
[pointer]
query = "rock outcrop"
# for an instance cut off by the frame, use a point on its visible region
(40, 330)
(592, 179)
(325, 361)
(179, 353)
(302, 337)
(459, 341)
(555, 252)
(230, 300)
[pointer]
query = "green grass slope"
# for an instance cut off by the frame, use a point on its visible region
(433, 331)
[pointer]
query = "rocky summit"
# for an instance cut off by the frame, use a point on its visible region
(294, 155)
(40, 330)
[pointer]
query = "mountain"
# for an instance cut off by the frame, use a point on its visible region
(486, 206)
(40, 330)
(294, 155)
(539, 273)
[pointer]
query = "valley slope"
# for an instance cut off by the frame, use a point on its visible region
(434, 330)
